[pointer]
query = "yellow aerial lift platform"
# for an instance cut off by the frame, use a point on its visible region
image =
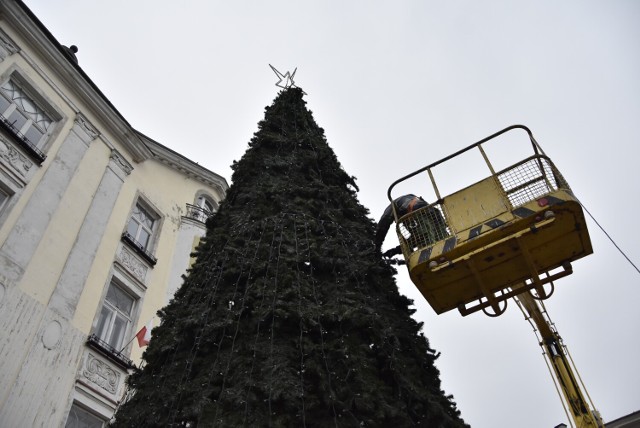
(508, 235)
(519, 225)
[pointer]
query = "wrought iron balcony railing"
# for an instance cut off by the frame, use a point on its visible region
(22, 141)
(139, 248)
(198, 213)
(110, 352)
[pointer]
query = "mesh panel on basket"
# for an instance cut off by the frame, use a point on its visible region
(422, 228)
(529, 180)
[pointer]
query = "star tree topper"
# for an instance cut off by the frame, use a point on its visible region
(287, 78)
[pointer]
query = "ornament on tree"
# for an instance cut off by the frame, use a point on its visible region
(288, 79)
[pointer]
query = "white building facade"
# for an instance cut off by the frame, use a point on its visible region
(97, 223)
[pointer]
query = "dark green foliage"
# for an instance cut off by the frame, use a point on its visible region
(289, 316)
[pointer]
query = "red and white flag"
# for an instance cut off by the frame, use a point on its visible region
(144, 335)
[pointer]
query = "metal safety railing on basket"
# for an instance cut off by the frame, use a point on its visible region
(520, 183)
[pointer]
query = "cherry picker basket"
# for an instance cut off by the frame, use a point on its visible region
(519, 225)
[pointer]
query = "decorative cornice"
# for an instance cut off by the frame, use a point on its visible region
(121, 162)
(7, 46)
(136, 146)
(86, 126)
(186, 166)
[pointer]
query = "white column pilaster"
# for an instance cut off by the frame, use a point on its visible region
(78, 265)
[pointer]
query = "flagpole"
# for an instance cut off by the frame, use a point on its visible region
(127, 344)
(135, 335)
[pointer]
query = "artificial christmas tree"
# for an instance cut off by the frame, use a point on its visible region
(289, 316)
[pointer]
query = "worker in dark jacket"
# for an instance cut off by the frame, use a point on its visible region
(405, 205)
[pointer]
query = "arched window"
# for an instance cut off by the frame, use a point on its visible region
(203, 208)
(205, 203)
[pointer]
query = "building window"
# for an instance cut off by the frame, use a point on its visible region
(4, 196)
(202, 210)
(115, 317)
(205, 203)
(8, 189)
(141, 225)
(81, 418)
(141, 231)
(23, 115)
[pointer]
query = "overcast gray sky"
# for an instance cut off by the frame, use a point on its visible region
(398, 85)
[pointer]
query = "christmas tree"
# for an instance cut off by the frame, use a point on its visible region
(289, 317)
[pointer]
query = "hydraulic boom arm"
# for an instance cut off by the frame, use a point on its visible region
(582, 411)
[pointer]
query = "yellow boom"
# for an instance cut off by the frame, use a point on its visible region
(575, 399)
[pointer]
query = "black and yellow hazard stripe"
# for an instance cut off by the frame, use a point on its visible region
(503, 221)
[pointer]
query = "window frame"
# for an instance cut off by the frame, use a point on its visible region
(145, 251)
(5, 197)
(131, 287)
(140, 215)
(36, 150)
(15, 103)
(116, 313)
(202, 199)
(9, 189)
(79, 406)
(198, 210)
